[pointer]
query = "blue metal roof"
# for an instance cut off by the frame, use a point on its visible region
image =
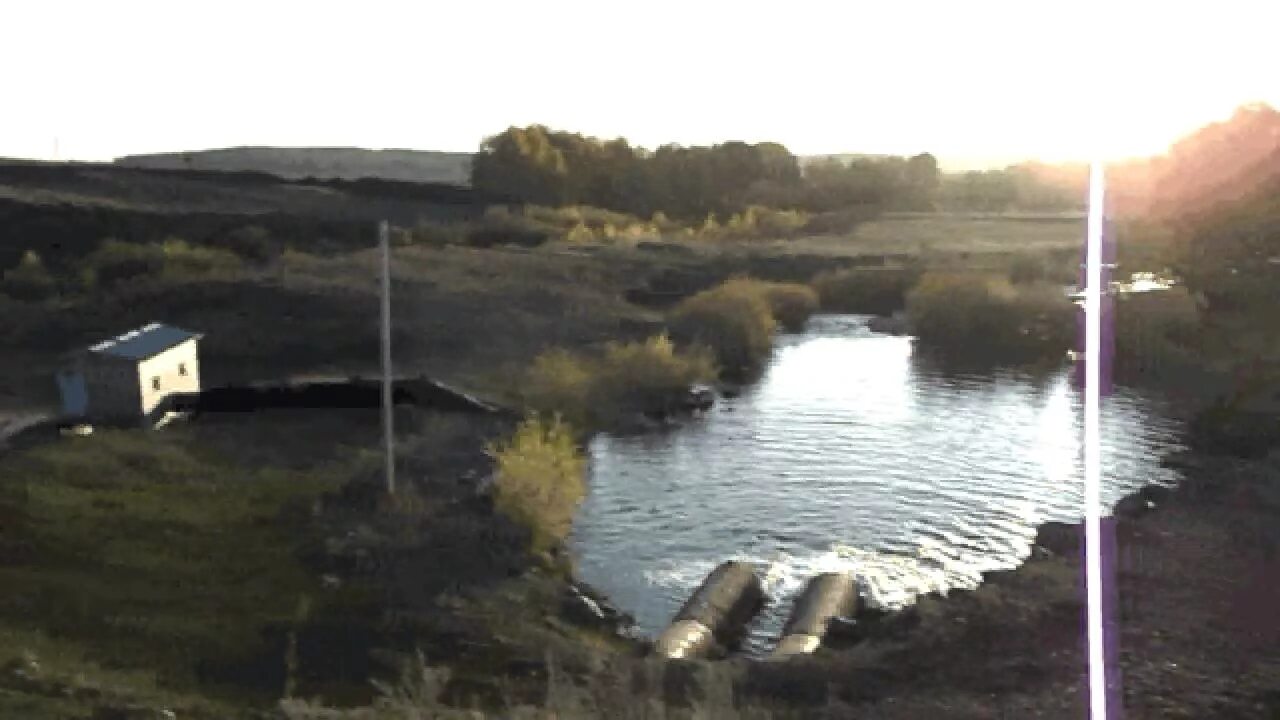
(144, 342)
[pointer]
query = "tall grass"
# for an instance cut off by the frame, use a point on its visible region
(757, 222)
(734, 319)
(632, 690)
(539, 480)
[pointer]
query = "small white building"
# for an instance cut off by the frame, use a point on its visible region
(126, 378)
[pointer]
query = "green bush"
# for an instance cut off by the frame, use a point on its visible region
(875, 290)
(539, 480)
(649, 376)
(184, 259)
(29, 279)
(780, 223)
(976, 317)
(791, 303)
(500, 226)
(733, 319)
(561, 382)
(627, 378)
(115, 262)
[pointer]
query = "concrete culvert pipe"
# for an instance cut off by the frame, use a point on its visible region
(827, 596)
(715, 615)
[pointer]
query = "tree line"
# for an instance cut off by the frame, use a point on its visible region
(555, 168)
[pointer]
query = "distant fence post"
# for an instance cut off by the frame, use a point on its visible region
(387, 398)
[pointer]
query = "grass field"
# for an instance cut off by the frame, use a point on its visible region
(922, 235)
(154, 567)
(468, 313)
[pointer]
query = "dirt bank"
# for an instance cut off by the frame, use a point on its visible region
(1198, 637)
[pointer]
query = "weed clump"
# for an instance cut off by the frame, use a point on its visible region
(539, 480)
(594, 390)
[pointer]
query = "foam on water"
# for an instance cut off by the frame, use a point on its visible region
(851, 454)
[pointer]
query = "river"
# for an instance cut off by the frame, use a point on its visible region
(852, 452)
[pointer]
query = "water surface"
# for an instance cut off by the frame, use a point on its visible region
(853, 453)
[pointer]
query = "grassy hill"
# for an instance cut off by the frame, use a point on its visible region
(63, 211)
(337, 162)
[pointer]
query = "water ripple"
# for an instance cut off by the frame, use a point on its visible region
(851, 455)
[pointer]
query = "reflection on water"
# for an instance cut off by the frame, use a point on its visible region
(850, 453)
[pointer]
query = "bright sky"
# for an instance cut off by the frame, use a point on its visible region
(969, 81)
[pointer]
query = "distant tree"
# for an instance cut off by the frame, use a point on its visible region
(832, 185)
(522, 162)
(1044, 188)
(554, 168)
(985, 191)
(1219, 163)
(1232, 253)
(922, 180)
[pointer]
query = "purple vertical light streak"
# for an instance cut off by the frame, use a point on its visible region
(1107, 338)
(1098, 565)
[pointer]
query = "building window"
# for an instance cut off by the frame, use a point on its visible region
(155, 383)
(182, 369)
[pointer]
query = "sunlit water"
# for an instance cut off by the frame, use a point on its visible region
(851, 453)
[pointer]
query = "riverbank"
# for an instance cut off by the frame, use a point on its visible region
(1196, 570)
(1197, 633)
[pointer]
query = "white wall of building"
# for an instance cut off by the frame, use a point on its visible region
(174, 370)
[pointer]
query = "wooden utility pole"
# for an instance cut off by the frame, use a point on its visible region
(387, 397)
